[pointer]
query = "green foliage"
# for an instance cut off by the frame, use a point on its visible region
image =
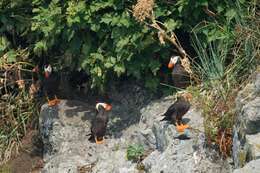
(212, 59)
(101, 36)
(134, 152)
(224, 61)
(86, 30)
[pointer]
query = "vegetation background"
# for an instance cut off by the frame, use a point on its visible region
(111, 39)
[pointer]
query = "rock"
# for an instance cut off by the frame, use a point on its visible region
(251, 167)
(174, 151)
(66, 146)
(64, 127)
(134, 119)
(251, 115)
(257, 84)
(241, 151)
(254, 142)
(247, 125)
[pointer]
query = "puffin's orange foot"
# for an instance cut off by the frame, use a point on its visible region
(181, 128)
(53, 102)
(99, 141)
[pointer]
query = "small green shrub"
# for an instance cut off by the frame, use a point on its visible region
(134, 152)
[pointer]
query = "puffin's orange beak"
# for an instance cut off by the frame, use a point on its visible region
(108, 107)
(46, 74)
(170, 65)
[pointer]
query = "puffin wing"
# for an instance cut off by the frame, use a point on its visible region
(180, 77)
(99, 124)
(170, 113)
(51, 84)
(99, 127)
(182, 107)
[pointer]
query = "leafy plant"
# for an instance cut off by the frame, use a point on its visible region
(134, 152)
(17, 109)
(223, 64)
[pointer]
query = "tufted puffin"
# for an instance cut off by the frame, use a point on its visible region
(99, 123)
(51, 85)
(180, 77)
(177, 110)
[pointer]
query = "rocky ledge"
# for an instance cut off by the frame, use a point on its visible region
(134, 119)
(246, 140)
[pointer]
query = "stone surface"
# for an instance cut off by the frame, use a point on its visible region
(254, 142)
(257, 84)
(178, 152)
(134, 119)
(251, 167)
(251, 114)
(247, 127)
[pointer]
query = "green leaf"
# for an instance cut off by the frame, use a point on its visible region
(134, 152)
(122, 42)
(40, 47)
(171, 24)
(115, 20)
(98, 71)
(154, 66)
(4, 43)
(119, 69)
(160, 12)
(111, 61)
(230, 14)
(220, 8)
(95, 27)
(125, 22)
(70, 34)
(97, 56)
(203, 2)
(11, 56)
(108, 65)
(107, 19)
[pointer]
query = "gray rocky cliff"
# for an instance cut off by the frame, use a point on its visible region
(134, 119)
(246, 140)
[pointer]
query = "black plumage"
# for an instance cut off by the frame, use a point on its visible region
(51, 84)
(99, 123)
(180, 77)
(177, 110)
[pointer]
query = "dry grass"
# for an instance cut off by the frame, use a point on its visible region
(17, 109)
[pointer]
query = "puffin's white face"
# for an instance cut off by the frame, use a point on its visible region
(106, 106)
(48, 69)
(173, 61)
